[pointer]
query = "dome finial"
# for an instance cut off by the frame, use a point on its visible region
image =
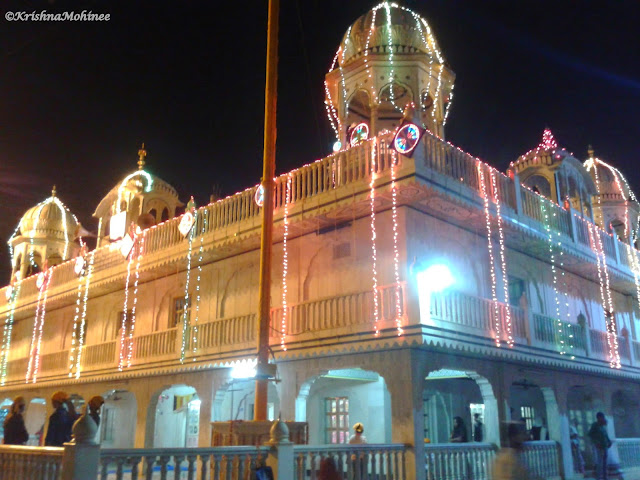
(590, 151)
(141, 154)
(53, 191)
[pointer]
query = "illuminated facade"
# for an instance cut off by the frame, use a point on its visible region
(539, 319)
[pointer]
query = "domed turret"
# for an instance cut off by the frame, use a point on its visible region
(616, 208)
(388, 60)
(141, 198)
(45, 234)
(556, 174)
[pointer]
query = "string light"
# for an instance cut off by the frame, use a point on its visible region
(568, 325)
(83, 321)
(123, 327)
(374, 253)
(47, 282)
(612, 340)
(285, 263)
(396, 252)
(134, 308)
(492, 270)
(76, 317)
(195, 330)
(185, 308)
(390, 44)
(34, 336)
(503, 260)
(8, 329)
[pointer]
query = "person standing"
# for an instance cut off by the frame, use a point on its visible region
(358, 436)
(61, 420)
(601, 443)
(478, 433)
(576, 453)
(15, 433)
(95, 404)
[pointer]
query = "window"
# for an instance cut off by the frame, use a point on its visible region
(127, 323)
(165, 214)
(108, 424)
(336, 412)
(179, 311)
(527, 415)
(516, 289)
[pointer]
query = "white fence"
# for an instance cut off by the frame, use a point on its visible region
(32, 463)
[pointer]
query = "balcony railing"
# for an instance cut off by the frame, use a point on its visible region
(629, 452)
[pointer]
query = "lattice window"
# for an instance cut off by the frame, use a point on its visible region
(336, 420)
(179, 306)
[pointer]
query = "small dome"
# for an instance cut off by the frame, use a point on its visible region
(608, 179)
(409, 32)
(50, 218)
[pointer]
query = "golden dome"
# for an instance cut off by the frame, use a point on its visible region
(50, 218)
(410, 35)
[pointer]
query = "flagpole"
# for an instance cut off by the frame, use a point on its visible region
(268, 172)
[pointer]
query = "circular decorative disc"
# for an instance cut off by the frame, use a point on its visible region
(359, 134)
(78, 267)
(40, 280)
(407, 138)
(259, 196)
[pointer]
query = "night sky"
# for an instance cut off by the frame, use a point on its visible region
(187, 78)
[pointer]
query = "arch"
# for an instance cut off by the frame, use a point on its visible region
(153, 212)
(173, 417)
(449, 393)
(625, 407)
(583, 402)
(528, 404)
(165, 214)
(539, 184)
(54, 259)
(118, 419)
(35, 419)
(333, 400)
(239, 289)
(234, 400)
(396, 93)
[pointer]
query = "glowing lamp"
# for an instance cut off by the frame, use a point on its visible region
(78, 266)
(40, 280)
(337, 146)
(245, 369)
(359, 134)
(435, 278)
(186, 224)
(8, 292)
(117, 226)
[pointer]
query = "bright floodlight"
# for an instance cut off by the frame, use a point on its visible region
(337, 146)
(245, 369)
(436, 278)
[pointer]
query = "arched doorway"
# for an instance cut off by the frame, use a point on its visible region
(527, 405)
(118, 419)
(34, 419)
(583, 403)
(235, 401)
(331, 403)
(173, 418)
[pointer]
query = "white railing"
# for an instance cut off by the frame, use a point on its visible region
(32, 463)
(459, 461)
(368, 461)
(162, 463)
(542, 458)
(629, 452)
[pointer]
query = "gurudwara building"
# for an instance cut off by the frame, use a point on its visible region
(412, 283)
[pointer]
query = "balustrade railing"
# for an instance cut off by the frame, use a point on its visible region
(100, 354)
(356, 462)
(599, 344)
(33, 463)
(459, 461)
(203, 463)
(153, 345)
(542, 458)
(565, 336)
(629, 452)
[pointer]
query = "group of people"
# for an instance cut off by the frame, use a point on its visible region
(459, 433)
(61, 421)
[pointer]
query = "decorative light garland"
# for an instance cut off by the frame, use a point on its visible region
(285, 262)
(123, 327)
(134, 308)
(374, 252)
(76, 317)
(36, 369)
(568, 325)
(8, 329)
(83, 321)
(612, 340)
(185, 308)
(503, 260)
(195, 330)
(492, 270)
(396, 252)
(34, 335)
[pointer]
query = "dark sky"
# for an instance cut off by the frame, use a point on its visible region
(187, 78)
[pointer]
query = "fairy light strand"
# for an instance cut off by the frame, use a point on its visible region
(187, 299)
(374, 253)
(396, 252)
(47, 282)
(123, 326)
(83, 321)
(76, 317)
(34, 336)
(285, 263)
(492, 270)
(8, 329)
(503, 259)
(195, 329)
(134, 308)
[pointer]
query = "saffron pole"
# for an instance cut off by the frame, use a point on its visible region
(268, 172)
